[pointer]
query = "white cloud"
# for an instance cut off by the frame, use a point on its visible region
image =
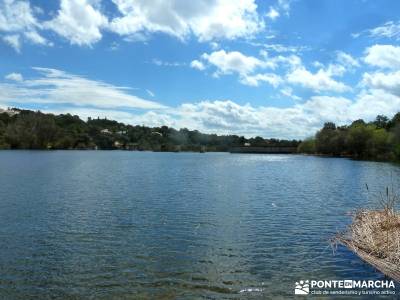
(235, 62)
(150, 93)
(248, 68)
(13, 41)
(78, 21)
(196, 64)
(323, 79)
(82, 22)
(162, 63)
(388, 30)
(207, 20)
(273, 13)
(58, 87)
(347, 60)
(16, 16)
(284, 5)
(389, 82)
(320, 81)
(373, 102)
(232, 62)
(281, 48)
(298, 121)
(214, 45)
(14, 77)
(36, 38)
(288, 92)
(384, 56)
(17, 19)
(224, 117)
(254, 80)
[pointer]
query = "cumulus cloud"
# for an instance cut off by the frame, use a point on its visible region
(78, 21)
(229, 117)
(250, 69)
(14, 77)
(288, 92)
(36, 38)
(320, 81)
(384, 56)
(272, 13)
(389, 82)
(324, 78)
(16, 16)
(232, 62)
(255, 80)
(298, 121)
(372, 102)
(196, 64)
(14, 41)
(347, 60)
(58, 87)
(18, 20)
(235, 62)
(82, 22)
(207, 20)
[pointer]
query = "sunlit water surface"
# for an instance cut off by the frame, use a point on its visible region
(136, 225)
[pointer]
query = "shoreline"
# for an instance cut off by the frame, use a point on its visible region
(249, 153)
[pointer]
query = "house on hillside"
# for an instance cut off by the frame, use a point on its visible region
(105, 131)
(8, 111)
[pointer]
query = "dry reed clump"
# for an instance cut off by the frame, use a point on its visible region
(374, 235)
(376, 232)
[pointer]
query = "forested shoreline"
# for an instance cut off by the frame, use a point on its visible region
(376, 140)
(26, 129)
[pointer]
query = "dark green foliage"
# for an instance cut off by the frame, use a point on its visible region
(36, 130)
(31, 131)
(381, 121)
(379, 139)
(307, 146)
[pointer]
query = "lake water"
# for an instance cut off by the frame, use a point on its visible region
(140, 225)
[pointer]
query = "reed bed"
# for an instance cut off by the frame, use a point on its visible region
(374, 235)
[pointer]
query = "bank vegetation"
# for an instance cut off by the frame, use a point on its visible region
(26, 129)
(378, 140)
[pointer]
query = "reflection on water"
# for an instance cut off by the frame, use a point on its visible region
(176, 225)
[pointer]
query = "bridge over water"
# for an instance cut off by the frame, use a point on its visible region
(265, 150)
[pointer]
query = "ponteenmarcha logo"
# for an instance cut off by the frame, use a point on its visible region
(302, 288)
(348, 286)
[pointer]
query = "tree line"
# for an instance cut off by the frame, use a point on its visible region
(26, 129)
(379, 139)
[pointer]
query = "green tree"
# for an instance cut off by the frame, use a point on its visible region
(378, 145)
(307, 146)
(358, 135)
(32, 131)
(324, 139)
(381, 121)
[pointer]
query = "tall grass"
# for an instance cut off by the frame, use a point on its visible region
(376, 231)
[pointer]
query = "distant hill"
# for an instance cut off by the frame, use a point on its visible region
(25, 129)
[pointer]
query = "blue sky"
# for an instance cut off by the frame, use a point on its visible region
(275, 68)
